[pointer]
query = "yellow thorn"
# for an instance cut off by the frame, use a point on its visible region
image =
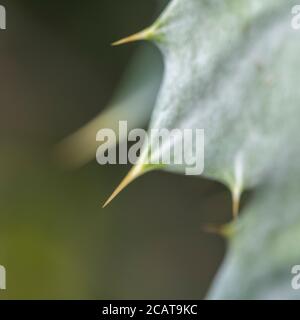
(142, 35)
(135, 172)
(219, 230)
(236, 199)
(237, 188)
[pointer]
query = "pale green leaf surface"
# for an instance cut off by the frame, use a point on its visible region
(223, 75)
(231, 68)
(265, 245)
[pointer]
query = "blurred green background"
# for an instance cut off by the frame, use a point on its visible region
(56, 242)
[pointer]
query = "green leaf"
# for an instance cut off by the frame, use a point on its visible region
(221, 75)
(219, 58)
(265, 245)
(231, 68)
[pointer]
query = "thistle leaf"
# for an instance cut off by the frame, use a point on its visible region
(231, 69)
(219, 76)
(265, 246)
(222, 75)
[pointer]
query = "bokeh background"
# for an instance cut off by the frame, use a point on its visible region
(58, 71)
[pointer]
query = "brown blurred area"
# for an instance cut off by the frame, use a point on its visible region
(58, 72)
